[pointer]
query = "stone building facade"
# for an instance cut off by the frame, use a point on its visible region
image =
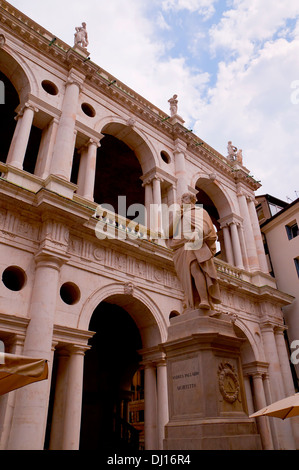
(99, 309)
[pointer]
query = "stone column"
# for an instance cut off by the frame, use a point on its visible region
(236, 246)
(157, 201)
(21, 136)
(30, 414)
(73, 405)
(44, 158)
(228, 245)
(263, 421)
(248, 394)
(57, 424)
(283, 428)
(162, 393)
(150, 407)
(269, 400)
(253, 261)
(284, 361)
(7, 401)
(243, 246)
(180, 171)
(62, 160)
(87, 169)
(148, 201)
(257, 235)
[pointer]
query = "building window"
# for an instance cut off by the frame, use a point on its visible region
(296, 261)
(274, 208)
(292, 230)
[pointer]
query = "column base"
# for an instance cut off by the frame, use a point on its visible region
(221, 435)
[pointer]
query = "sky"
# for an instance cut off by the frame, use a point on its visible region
(234, 65)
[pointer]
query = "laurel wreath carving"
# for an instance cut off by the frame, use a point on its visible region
(225, 371)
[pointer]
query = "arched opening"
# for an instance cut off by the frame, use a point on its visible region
(118, 173)
(8, 113)
(208, 205)
(217, 205)
(16, 89)
(110, 383)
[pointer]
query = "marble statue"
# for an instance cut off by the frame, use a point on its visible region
(173, 105)
(239, 156)
(81, 36)
(192, 237)
(231, 150)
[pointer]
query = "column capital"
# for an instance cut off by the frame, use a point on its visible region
(240, 193)
(147, 181)
(280, 329)
(45, 258)
(73, 79)
(267, 327)
(22, 109)
(179, 148)
(158, 178)
(257, 375)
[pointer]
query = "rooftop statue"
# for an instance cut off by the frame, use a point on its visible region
(173, 105)
(239, 157)
(232, 151)
(193, 241)
(81, 36)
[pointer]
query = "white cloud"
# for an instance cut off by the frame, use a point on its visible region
(249, 101)
(251, 22)
(204, 7)
(251, 105)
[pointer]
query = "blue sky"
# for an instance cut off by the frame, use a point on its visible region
(232, 64)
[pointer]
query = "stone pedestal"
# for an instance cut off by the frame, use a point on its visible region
(207, 403)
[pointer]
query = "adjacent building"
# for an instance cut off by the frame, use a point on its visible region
(279, 225)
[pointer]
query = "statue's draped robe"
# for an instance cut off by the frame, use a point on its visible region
(202, 250)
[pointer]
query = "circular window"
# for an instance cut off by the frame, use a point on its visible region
(173, 314)
(70, 293)
(165, 157)
(88, 110)
(14, 278)
(50, 87)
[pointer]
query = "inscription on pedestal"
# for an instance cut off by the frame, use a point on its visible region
(185, 378)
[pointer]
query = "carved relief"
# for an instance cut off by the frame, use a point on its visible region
(100, 254)
(229, 385)
(128, 288)
(75, 245)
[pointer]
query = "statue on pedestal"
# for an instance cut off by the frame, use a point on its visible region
(192, 237)
(232, 151)
(81, 36)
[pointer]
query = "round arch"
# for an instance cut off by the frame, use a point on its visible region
(142, 309)
(251, 350)
(17, 71)
(133, 138)
(215, 192)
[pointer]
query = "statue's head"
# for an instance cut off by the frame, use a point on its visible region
(188, 198)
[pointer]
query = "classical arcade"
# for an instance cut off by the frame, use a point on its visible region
(107, 312)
